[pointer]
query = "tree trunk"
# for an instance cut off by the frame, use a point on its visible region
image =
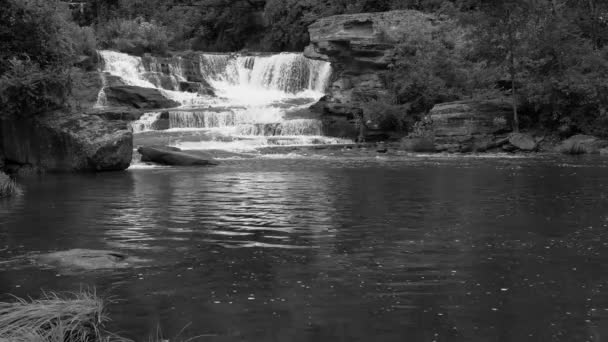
(594, 24)
(512, 72)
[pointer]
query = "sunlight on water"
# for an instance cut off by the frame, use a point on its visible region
(253, 96)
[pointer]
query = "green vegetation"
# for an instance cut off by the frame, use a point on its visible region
(74, 318)
(38, 45)
(134, 36)
(551, 56)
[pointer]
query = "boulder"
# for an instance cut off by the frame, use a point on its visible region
(175, 157)
(470, 118)
(66, 142)
(582, 144)
(523, 141)
(138, 97)
(86, 259)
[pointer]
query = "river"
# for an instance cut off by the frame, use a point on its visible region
(294, 248)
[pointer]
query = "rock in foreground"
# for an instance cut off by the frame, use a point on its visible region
(87, 259)
(175, 157)
(66, 142)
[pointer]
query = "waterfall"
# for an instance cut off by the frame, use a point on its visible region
(238, 80)
(129, 68)
(102, 100)
(146, 122)
(222, 119)
(289, 73)
(240, 96)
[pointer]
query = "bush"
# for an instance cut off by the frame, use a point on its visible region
(38, 45)
(134, 36)
(26, 89)
(386, 116)
(83, 39)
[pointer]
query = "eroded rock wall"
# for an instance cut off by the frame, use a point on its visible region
(66, 142)
(362, 48)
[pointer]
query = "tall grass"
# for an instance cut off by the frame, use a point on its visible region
(71, 318)
(8, 187)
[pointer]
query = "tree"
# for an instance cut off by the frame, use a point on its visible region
(500, 30)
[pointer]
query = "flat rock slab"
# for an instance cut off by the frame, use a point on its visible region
(175, 157)
(87, 259)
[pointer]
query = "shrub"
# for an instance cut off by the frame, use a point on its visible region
(26, 89)
(134, 36)
(83, 39)
(386, 116)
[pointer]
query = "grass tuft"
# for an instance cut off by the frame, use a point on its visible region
(71, 318)
(8, 187)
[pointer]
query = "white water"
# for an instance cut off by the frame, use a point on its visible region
(253, 93)
(146, 122)
(102, 99)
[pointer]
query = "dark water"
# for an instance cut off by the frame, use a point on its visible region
(410, 249)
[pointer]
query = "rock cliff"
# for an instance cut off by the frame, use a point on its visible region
(362, 48)
(66, 142)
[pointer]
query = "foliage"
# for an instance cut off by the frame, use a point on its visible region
(432, 66)
(386, 116)
(38, 45)
(26, 89)
(83, 39)
(34, 30)
(135, 36)
(424, 128)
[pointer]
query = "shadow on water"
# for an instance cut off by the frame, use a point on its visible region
(420, 249)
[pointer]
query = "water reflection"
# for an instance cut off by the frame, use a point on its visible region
(325, 250)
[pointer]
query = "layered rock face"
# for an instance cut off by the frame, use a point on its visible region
(361, 48)
(138, 97)
(66, 143)
(471, 118)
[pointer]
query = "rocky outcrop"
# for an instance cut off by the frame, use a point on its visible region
(361, 48)
(66, 142)
(174, 156)
(476, 126)
(582, 144)
(138, 97)
(523, 142)
(118, 113)
(463, 119)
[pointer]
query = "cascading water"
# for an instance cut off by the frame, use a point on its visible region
(146, 122)
(102, 100)
(255, 96)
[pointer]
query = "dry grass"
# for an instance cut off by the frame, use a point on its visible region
(71, 318)
(77, 317)
(8, 187)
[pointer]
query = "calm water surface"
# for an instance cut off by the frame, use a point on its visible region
(391, 249)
